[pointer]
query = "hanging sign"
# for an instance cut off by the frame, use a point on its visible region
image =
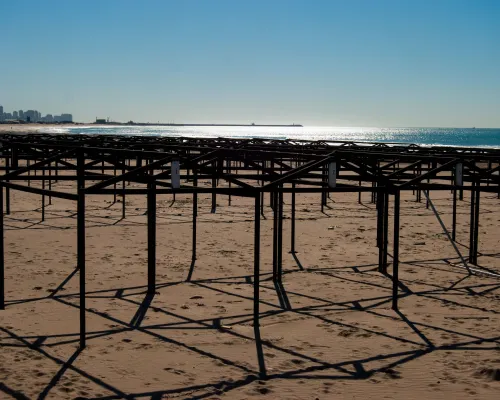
(175, 175)
(332, 174)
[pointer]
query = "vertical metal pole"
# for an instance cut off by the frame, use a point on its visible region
(386, 227)
(214, 185)
(274, 196)
(292, 235)
(428, 181)
(151, 200)
(123, 193)
(472, 223)
(195, 215)
(476, 222)
(81, 241)
(280, 233)
(454, 221)
(2, 259)
(43, 196)
(228, 163)
(324, 197)
(7, 190)
(256, 287)
(195, 212)
(262, 203)
(395, 265)
(380, 232)
(50, 182)
(114, 186)
(256, 262)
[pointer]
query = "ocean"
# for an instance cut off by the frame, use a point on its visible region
(466, 137)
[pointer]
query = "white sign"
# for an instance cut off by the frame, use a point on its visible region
(175, 174)
(332, 174)
(459, 174)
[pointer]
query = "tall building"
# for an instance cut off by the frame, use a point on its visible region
(15, 115)
(21, 114)
(30, 115)
(1, 113)
(66, 118)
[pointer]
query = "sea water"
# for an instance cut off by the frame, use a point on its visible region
(466, 137)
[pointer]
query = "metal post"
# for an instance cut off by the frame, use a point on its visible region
(256, 261)
(325, 183)
(262, 203)
(214, 195)
(274, 196)
(228, 162)
(395, 264)
(50, 182)
(256, 287)
(359, 193)
(428, 180)
(151, 200)
(123, 193)
(454, 221)
(114, 186)
(476, 221)
(472, 223)
(280, 233)
(81, 241)
(43, 196)
(2, 259)
(195, 216)
(7, 190)
(380, 232)
(386, 227)
(292, 235)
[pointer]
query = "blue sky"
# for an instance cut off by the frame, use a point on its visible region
(333, 63)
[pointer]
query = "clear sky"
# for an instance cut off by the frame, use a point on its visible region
(334, 63)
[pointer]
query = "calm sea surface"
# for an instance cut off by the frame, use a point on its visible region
(468, 137)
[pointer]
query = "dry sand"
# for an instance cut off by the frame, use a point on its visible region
(340, 339)
(30, 128)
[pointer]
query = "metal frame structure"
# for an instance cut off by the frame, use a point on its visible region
(107, 165)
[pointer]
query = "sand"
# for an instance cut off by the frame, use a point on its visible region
(339, 337)
(30, 128)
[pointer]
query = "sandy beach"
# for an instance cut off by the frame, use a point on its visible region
(333, 336)
(29, 128)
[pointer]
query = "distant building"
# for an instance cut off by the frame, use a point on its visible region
(30, 116)
(34, 116)
(100, 121)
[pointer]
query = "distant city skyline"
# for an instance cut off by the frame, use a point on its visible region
(33, 116)
(384, 63)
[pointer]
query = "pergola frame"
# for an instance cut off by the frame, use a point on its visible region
(104, 164)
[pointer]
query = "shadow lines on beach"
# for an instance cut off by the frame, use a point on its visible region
(353, 369)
